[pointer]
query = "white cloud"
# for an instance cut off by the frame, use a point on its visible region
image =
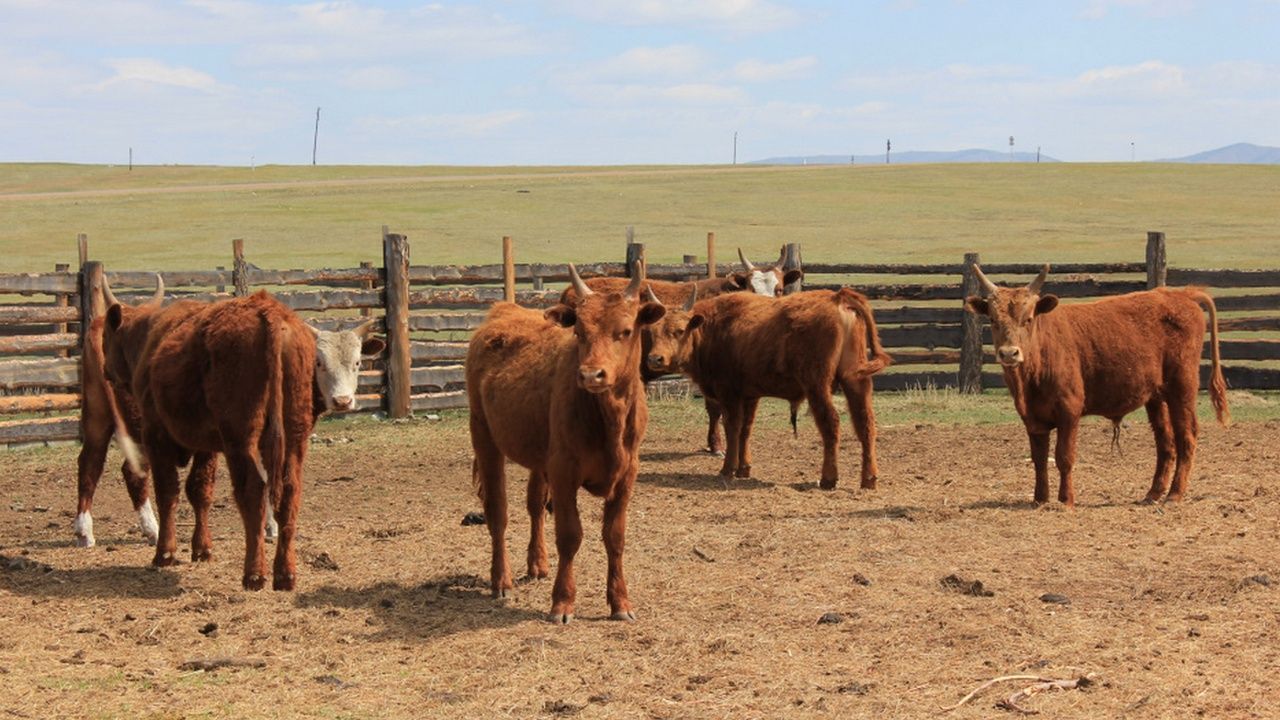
(731, 15)
(1129, 82)
(760, 71)
(146, 71)
(645, 62)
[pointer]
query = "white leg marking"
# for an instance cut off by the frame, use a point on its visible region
(84, 530)
(147, 521)
(273, 528)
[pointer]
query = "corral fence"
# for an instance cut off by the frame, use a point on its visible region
(428, 311)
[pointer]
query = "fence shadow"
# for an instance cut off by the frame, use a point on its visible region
(437, 608)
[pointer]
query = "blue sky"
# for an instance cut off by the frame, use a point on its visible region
(495, 82)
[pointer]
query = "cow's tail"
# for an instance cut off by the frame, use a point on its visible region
(877, 359)
(273, 443)
(1217, 384)
(93, 365)
(129, 448)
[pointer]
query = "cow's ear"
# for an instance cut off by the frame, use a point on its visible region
(1046, 303)
(562, 315)
(115, 316)
(650, 313)
(976, 305)
(741, 281)
(695, 322)
(792, 276)
(372, 346)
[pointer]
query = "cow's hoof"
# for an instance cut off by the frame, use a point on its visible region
(713, 452)
(202, 555)
(1149, 500)
(624, 616)
(502, 593)
(254, 582)
(536, 572)
(164, 559)
(284, 583)
(827, 484)
(743, 472)
(560, 618)
(1171, 498)
(869, 484)
(85, 541)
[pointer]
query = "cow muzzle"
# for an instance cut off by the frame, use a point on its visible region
(593, 379)
(344, 403)
(657, 362)
(1009, 355)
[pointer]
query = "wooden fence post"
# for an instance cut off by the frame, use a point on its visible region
(91, 302)
(635, 253)
(240, 269)
(60, 300)
(82, 243)
(690, 260)
(508, 270)
(791, 261)
(970, 378)
(220, 288)
(1157, 263)
(395, 260)
(366, 285)
(711, 254)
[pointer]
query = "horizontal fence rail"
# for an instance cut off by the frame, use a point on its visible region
(427, 312)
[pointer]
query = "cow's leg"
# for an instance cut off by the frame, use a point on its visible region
(249, 488)
(200, 480)
(140, 495)
(715, 444)
(615, 532)
(828, 422)
(744, 436)
(1185, 426)
(164, 476)
(1065, 456)
(1040, 459)
(858, 394)
(489, 468)
(536, 502)
(1158, 414)
(564, 500)
(93, 455)
(733, 412)
(284, 572)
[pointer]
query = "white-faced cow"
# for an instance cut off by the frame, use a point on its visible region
(560, 393)
(1108, 358)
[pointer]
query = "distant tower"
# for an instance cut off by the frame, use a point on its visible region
(1010, 148)
(888, 145)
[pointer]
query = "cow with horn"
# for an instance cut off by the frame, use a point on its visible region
(560, 393)
(1108, 357)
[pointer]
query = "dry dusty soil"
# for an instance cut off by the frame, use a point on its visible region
(1172, 611)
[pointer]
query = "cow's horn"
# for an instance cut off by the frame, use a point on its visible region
(693, 297)
(158, 298)
(782, 257)
(988, 287)
(578, 286)
(637, 278)
(649, 296)
(746, 264)
(107, 296)
(362, 331)
(1038, 283)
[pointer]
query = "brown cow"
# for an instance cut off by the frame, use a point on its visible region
(1108, 358)
(569, 405)
(739, 348)
(235, 377)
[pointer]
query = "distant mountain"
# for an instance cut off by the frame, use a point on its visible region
(1238, 154)
(974, 155)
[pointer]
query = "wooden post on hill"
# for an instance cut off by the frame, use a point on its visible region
(791, 261)
(82, 243)
(711, 254)
(508, 270)
(239, 269)
(690, 260)
(60, 300)
(1157, 263)
(635, 253)
(395, 261)
(970, 377)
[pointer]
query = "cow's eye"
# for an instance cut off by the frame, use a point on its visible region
(622, 335)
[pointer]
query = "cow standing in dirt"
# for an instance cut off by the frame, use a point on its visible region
(768, 282)
(1108, 358)
(739, 348)
(560, 393)
(237, 377)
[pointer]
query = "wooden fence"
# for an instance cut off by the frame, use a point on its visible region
(427, 312)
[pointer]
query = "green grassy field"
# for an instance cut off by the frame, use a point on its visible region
(185, 217)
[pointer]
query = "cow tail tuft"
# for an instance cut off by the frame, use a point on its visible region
(1217, 383)
(273, 433)
(877, 358)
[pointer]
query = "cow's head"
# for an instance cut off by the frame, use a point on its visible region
(1012, 312)
(124, 332)
(770, 281)
(338, 356)
(666, 334)
(607, 328)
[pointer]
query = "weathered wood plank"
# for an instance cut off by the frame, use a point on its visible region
(50, 282)
(53, 402)
(1240, 377)
(40, 430)
(438, 376)
(439, 401)
(322, 300)
(1245, 350)
(909, 315)
(31, 314)
(432, 350)
(1248, 323)
(29, 344)
(956, 269)
(50, 372)
(474, 298)
(438, 323)
(1224, 278)
(1247, 302)
(349, 277)
(922, 336)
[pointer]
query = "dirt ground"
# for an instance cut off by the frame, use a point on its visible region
(1174, 611)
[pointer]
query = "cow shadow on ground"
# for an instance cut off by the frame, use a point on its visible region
(891, 512)
(439, 607)
(1006, 504)
(668, 455)
(122, 581)
(709, 482)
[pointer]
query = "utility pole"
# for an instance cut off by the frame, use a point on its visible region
(315, 139)
(1133, 152)
(1037, 154)
(888, 145)
(130, 159)
(1010, 148)
(735, 147)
